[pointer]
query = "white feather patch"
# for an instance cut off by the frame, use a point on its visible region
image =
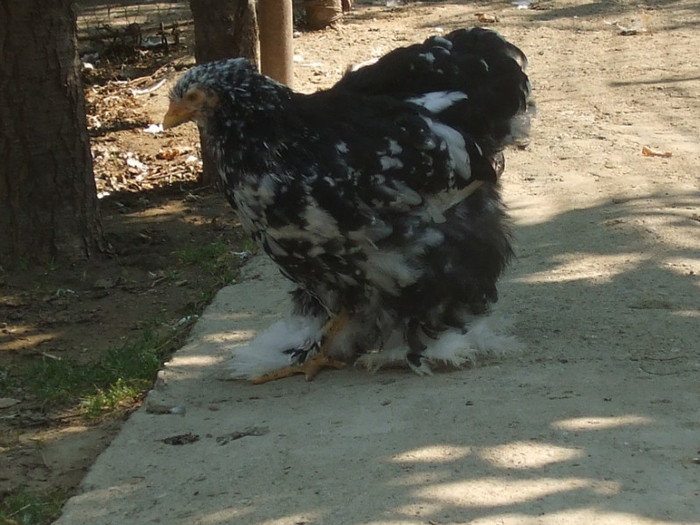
(486, 338)
(455, 145)
(267, 189)
(438, 101)
(265, 352)
(429, 238)
(389, 270)
(320, 226)
(320, 222)
(394, 147)
(389, 163)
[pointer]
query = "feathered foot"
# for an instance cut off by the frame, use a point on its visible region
(485, 338)
(314, 364)
(309, 368)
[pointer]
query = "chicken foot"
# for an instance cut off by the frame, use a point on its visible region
(314, 364)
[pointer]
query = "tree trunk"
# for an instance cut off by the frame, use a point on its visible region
(222, 29)
(321, 13)
(48, 201)
(276, 49)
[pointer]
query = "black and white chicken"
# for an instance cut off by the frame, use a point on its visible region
(378, 198)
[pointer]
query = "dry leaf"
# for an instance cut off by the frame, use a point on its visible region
(649, 152)
(485, 18)
(168, 154)
(626, 31)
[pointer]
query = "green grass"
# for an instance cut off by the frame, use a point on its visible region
(111, 382)
(105, 386)
(24, 507)
(202, 254)
(250, 245)
(215, 258)
(111, 399)
(102, 386)
(118, 377)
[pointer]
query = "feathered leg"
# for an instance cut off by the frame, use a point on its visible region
(313, 364)
(415, 345)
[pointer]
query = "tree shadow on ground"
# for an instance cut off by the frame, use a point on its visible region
(609, 300)
(593, 423)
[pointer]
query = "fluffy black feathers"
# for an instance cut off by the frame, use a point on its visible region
(380, 195)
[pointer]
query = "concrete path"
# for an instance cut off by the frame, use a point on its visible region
(530, 440)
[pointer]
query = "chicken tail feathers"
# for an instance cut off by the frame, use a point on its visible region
(472, 80)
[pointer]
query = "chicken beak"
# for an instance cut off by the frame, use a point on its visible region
(176, 115)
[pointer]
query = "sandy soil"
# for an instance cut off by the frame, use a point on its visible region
(606, 280)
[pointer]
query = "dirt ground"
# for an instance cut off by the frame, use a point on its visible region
(609, 180)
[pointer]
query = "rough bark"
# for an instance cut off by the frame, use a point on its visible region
(222, 29)
(48, 202)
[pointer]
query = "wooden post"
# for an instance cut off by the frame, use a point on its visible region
(276, 49)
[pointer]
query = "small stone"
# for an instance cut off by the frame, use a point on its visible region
(7, 402)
